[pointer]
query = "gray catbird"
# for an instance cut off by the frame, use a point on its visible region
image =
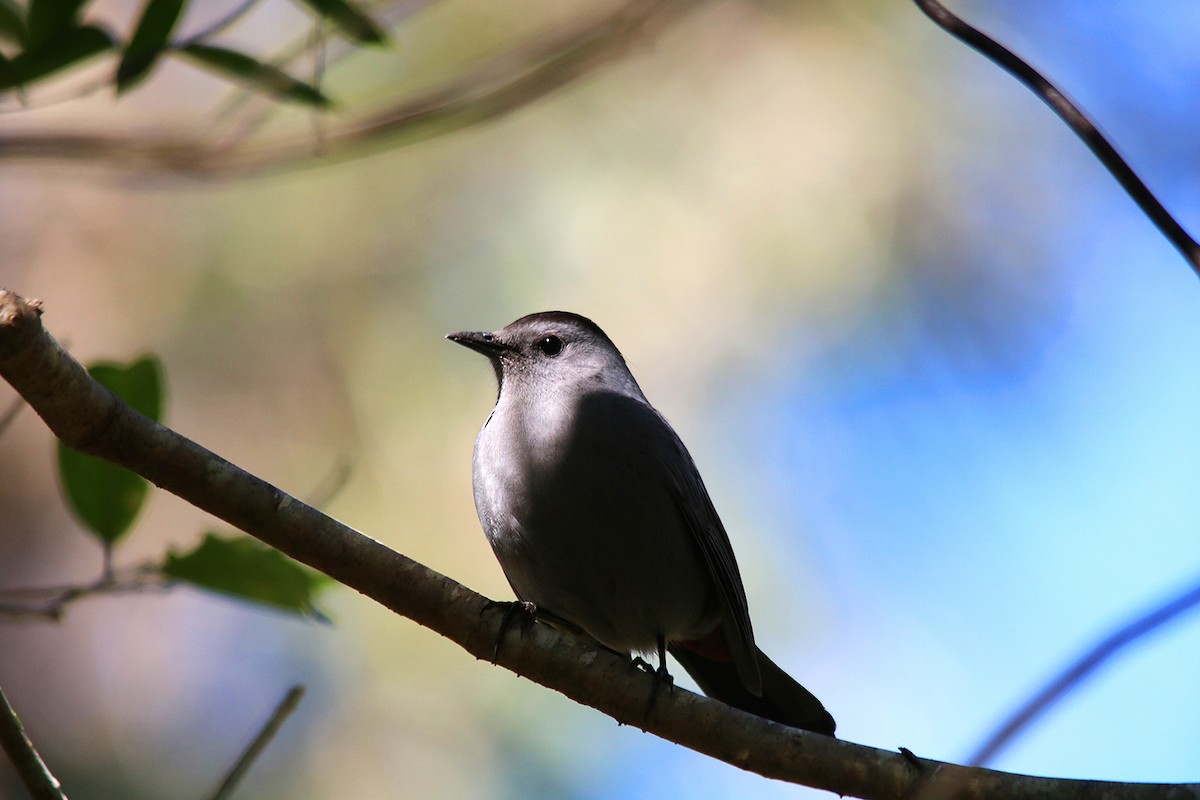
(598, 516)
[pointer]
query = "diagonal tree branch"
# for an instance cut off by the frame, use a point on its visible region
(1080, 669)
(88, 417)
(33, 772)
(1076, 120)
(286, 707)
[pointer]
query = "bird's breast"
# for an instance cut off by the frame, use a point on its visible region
(584, 520)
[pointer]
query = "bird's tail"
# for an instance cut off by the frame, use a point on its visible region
(783, 699)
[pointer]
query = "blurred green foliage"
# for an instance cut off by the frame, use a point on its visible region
(244, 568)
(107, 499)
(104, 497)
(255, 74)
(49, 36)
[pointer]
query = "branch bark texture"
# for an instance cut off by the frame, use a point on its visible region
(88, 417)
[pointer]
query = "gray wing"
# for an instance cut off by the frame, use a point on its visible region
(625, 429)
(697, 509)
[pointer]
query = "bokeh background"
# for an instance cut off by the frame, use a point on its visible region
(940, 374)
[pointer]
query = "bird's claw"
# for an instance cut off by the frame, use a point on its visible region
(513, 609)
(661, 677)
(637, 662)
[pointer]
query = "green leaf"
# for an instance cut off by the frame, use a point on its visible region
(149, 39)
(139, 383)
(68, 48)
(48, 18)
(107, 498)
(258, 75)
(245, 568)
(12, 22)
(350, 19)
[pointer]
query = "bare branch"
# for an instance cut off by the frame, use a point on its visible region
(34, 773)
(332, 484)
(286, 706)
(1076, 120)
(506, 84)
(51, 602)
(1084, 666)
(10, 413)
(90, 418)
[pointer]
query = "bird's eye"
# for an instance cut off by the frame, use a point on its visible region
(550, 345)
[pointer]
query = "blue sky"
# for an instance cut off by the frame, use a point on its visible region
(980, 520)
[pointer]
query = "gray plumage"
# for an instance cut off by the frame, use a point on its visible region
(597, 514)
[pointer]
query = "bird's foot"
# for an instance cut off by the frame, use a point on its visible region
(661, 677)
(912, 759)
(639, 663)
(522, 611)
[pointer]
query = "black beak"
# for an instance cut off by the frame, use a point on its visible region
(479, 341)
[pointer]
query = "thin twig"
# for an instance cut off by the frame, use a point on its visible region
(1076, 120)
(57, 98)
(335, 51)
(33, 772)
(331, 486)
(51, 602)
(10, 414)
(106, 574)
(1081, 668)
(221, 24)
(282, 711)
(316, 117)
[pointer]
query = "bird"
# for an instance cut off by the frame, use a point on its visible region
(599, 517)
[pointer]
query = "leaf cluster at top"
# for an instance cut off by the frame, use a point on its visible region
(45, 37)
